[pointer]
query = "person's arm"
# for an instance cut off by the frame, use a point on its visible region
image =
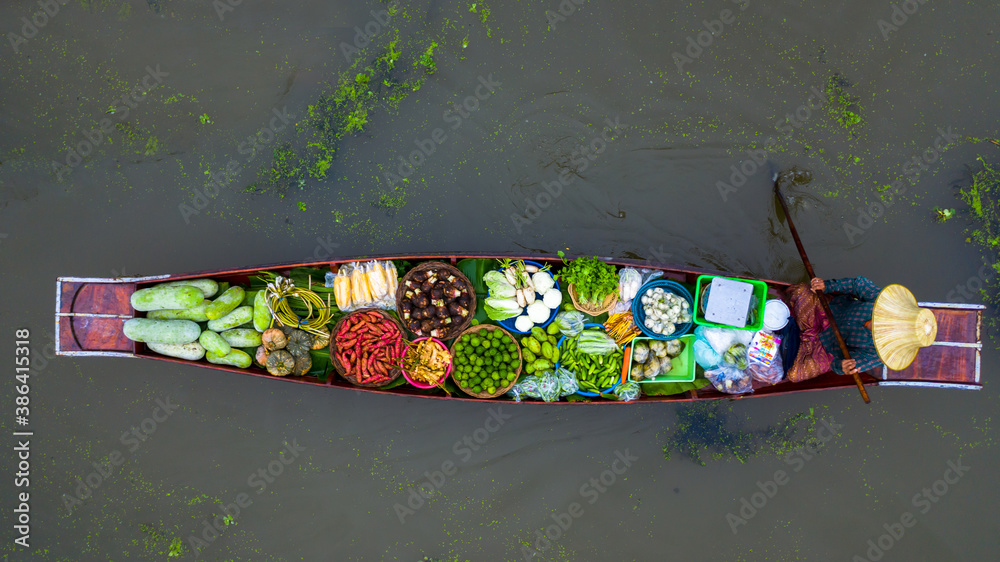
(860, 287)
(863, 361)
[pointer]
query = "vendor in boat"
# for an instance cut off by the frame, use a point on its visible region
(879, 327)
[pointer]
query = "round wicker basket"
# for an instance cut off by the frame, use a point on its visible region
(341, 370)
(605, 306)
(517, 372)
(454, 329)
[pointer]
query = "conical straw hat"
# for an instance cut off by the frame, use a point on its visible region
(900, 327)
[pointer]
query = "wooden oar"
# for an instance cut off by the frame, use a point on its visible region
(822, 296)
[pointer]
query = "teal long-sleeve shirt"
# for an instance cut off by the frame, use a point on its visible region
(851, 309)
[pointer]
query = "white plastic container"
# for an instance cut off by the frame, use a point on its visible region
(776, 315)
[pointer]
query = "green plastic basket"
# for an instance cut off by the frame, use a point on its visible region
(683, 365)
(759, 291)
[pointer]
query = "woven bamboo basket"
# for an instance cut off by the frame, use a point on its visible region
(605, 306)
(454, 329)
(341, 370)
(517, 372)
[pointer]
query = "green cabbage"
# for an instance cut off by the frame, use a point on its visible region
(502, 309)
(499, 287)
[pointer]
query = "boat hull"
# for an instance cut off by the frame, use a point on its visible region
(90, 313)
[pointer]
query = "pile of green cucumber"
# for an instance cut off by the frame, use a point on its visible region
(182, 322)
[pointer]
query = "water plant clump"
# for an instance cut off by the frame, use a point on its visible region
(843, 106)
(361, 92)
(983, 199)
(709, 426)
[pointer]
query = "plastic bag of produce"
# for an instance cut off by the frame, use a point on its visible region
(629, 281)
(548, 387)
(704, 355)
(342, 288)
(595, 342)
(375, 280)
(722, 339)
(567, 382)
(628, 391)
(359, 287)
(527, 387)
(770, 374)
(765, 360)
(570, 322)
(730, 380)
(391, 279)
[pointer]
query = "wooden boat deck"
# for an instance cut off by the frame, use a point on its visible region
(90, 313)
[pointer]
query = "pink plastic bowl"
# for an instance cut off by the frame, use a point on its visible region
(446, 372)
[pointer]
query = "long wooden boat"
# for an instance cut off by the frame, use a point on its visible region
(90, 313)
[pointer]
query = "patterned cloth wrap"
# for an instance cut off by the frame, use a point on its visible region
(819, 351)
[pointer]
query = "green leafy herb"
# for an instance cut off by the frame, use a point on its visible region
(592, 279)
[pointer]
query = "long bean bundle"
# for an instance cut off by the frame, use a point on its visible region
(277, 297)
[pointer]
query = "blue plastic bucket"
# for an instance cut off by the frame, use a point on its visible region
(509, 323)
(640, 316)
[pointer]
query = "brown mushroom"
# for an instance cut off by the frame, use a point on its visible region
(280, 363)
(273, 339)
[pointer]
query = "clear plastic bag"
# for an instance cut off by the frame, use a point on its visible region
(570, 322)
(770, 374)
(722, 338)
(567, 382)
(548, 387)
(629, 281)
(628, 391)
(342, 288)
(527, 387)
(375, 280)
(730, 380)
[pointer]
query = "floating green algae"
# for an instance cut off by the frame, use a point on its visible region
(361, 93)
(984, 206)
(983, 199)
(841, 105)
(709, 426)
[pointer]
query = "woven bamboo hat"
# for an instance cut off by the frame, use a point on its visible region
(900, 327)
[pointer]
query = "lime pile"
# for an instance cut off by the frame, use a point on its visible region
(485, 361)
